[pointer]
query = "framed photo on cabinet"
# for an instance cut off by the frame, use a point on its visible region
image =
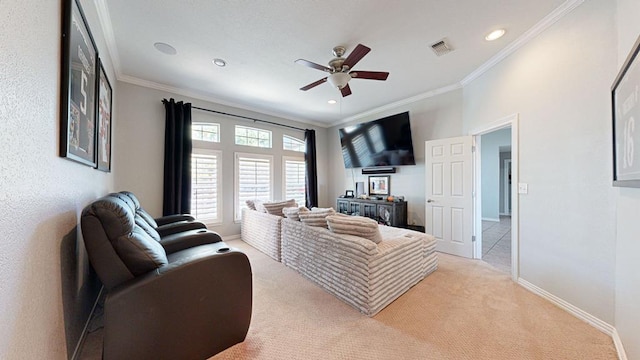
(379, 185)
(78, 92)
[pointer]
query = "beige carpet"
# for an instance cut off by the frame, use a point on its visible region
(465, 310)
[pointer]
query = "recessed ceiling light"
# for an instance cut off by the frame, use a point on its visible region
(332, 102)
(165, 48)
(220, 62)
(495, 34)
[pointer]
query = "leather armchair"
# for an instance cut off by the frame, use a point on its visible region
(165, 225)
(180, 234)
(190, 304)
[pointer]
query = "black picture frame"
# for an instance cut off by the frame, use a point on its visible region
(625, 100)
(379, 185)
(103, 120)
(349, 194)
(78, 86)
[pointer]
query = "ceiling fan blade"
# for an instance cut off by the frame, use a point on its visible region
(346, 90)
(312, 65)
(371, 75)
(313, 84)
(356, 55)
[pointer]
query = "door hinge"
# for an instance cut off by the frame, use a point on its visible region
(473, 148)
(473, 238)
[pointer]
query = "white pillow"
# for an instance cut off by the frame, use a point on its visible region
(293, 212)
(355, 225)
(258, 204)
(275, 207)
(316, 217)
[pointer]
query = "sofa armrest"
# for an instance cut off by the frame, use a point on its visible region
(173, 218)
(188, 239)
(180, 226)
(194, 307)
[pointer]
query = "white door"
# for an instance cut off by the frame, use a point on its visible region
(449, 200)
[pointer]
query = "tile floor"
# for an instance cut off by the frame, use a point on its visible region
(496, 243)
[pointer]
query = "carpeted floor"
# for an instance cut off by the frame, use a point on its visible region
(465, 310)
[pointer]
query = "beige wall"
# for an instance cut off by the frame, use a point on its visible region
(140, 158)
(431, 118)
(627, 305)
(559, 85)
(43, 266)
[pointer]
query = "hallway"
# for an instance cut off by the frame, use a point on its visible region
(496, 243)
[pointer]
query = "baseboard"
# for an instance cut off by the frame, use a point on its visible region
(580, 314)
(490, 219)
(231, 237)
(622, 355)
(572, 309)
(83, 335)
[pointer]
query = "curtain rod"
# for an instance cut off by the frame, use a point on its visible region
(248, 118)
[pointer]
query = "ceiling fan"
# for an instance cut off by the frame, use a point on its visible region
(340, 69)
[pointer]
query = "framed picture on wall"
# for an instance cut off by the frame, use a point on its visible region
(78, 92)
(103, 121)
(625, 97)
(379, 185)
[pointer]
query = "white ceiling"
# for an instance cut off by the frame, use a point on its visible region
(260, 40)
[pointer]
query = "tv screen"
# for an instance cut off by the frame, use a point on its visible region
(382, 142)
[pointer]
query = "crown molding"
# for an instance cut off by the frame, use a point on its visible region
(179, 91)
(538, 28)
(107, 29)
(393, 105)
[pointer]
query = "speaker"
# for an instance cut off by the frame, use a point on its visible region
(359, 188)
(379, 170)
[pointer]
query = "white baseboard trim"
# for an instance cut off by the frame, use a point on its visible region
(572, 309)
(622, 355)
(580, 314)
(490, 219)
(231, 237)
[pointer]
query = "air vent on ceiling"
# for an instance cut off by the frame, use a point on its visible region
(441, 47)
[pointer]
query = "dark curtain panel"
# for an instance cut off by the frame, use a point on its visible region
(177, 158)
(311, 169)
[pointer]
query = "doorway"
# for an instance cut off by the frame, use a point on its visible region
(495, 201)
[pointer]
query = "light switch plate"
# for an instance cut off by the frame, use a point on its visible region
(523, 188)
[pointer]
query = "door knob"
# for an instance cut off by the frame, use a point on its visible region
(430, 201)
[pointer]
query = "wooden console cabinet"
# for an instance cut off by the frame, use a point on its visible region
(384, 212)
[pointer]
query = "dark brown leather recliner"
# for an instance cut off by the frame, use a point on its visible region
(173, 237)
(165, 225)
(190, 304)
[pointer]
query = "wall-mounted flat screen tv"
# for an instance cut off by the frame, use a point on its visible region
(382, 142)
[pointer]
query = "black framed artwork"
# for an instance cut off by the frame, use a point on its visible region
(379, 185)
(625, 97)
(78, 93)
(103, 121)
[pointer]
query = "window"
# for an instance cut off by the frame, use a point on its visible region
(362, 149)
(206, 202)
(205, 132)
(293, 144)
(253, 180)
(249, 136)
(293, 184)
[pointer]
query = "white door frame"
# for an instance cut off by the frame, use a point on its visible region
(508, 121)
(506, 189)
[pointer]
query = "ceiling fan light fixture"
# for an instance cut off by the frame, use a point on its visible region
(339, 80)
